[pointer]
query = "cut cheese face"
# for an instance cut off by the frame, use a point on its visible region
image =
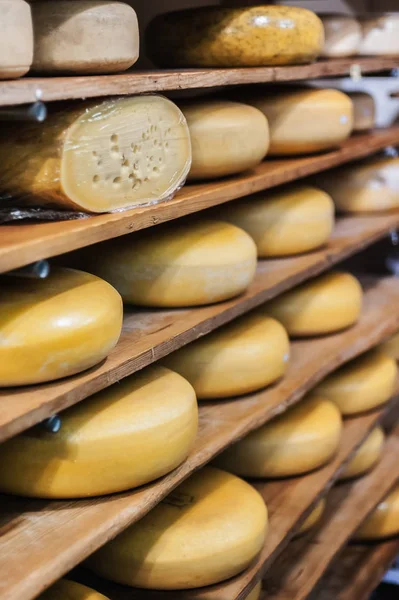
(296, 219)
(235, 37)
(366, 456)
(16, 38)
(383, 521)
(364, 111)
(190, 264)
(55, 327)
(323, 305)
(342, 35)
(300, 440)
(380, 35)
(312, 519)
(239, 358)
(121, 153)
(127, 435)
(226, 137)
(208, 530)
(391, 347)
(362, 384)
(70, 590)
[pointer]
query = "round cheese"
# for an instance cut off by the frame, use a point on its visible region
(120, 438)
(383, 521)
(16, 38)
(342, 35)
(363, 111)
(70, 590)
(208, 530)
(362, 384)
(98, 157)
(305, 120)
(326, 304)
(239, 358)
(367, 455)
(312, 519)
(190, 264)
(226, 137)
(255, 594)
(391, 347)
(256, 36)
(55, 327)
(380, 35)
(296, 219)
(300, 440)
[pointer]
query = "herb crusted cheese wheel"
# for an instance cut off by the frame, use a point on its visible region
(208, 530)
(235, 37)
(383, 521)
(98, 157)
(122, 437)
(16, 38)
(70, 590)
(366, 456)
(342, 35)
(312, 519)
(363, 111)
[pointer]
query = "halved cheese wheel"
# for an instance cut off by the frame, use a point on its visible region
(239, 358)
(70, 590)
(383, 521)
(16, 38)
(367, 455)
(342, 35)
(300, 440)
(323, 305)
(226, 137)
(209, 529)
(312, 519)
(127, 435)
(380, 35)
(296, 219)
(184, 264)
(391, 347)
(98, 157)
(362, 384)
(55, 327)
(364, 111)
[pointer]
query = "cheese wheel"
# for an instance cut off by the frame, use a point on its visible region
(342, 35)
(362, 384)
(226, 137)
(98, 157)
(16, 38)
(239, 358)
(190, 264)
(120, 438)
(306, 120)
(366, 456)
(70, 590)
(380, 35)
(290, 221)
(300, 440)
(363, 111)
(255, 594)
(312, 519)
(391, 347)
(209, 529)
(368, 186)
(383, 521)
(55, 327)
(235, 37)
(325, 304)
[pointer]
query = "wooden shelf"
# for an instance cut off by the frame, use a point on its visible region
(24, 243)
(49, 538)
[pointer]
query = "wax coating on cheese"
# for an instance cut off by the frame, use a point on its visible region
(16, 38)
(366, 456)
(383, 521)
(70, 590)
(342, 35)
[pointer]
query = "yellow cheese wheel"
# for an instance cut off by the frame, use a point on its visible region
(16, 38)
(70, 590)
(363, 111)
(362, 384)
(368, 186)
(300, 440)
(326, 304)
(366, 456)
(306, 120)
(255, 594)
(342, 35)
(296, 219)
(209, 529)
(235, 37)
(183, 264)
(120, 438)
(226, 137)
(55, 327)
(239, 358)
(391, 347)
(383, 521)
(312, 519)
(98, 157)
(380, 35)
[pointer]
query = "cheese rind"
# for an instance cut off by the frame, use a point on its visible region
(70, 590)
(342, 35)
(391, 347)
(383, 521)
(312, 519)
(209, 529)
(363, 111)
(239, 358)
(366, 456)
(16, 38)
(125, 436)
(380, 35)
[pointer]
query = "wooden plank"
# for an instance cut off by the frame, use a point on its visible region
(150, 335)
(42, 540)
(24, 243)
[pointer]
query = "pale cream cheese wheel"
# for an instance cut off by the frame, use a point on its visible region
(70, 590)
(366, 456)
(208, 530)
(16, 38)
(312, 519)
(122, 437)
(383, 521)
(242, 357)
(342, 35)
(380, 35)
(391, 347)
(363, 111)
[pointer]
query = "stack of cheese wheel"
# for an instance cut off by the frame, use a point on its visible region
(208, 530)
(366, 456)
(293, 220)
(361, 385)
(235, 37)
(380, 35)
(383, 521)
(70, 590)
(312, 519)
(323, 305)
(368, 186)
(239, 358)
(55, 327)
(16, 38)
(391, 347)
(127, 435)
(363, 111)
(300, 440)
(342, 35)
(98, 157)
(188, 263)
